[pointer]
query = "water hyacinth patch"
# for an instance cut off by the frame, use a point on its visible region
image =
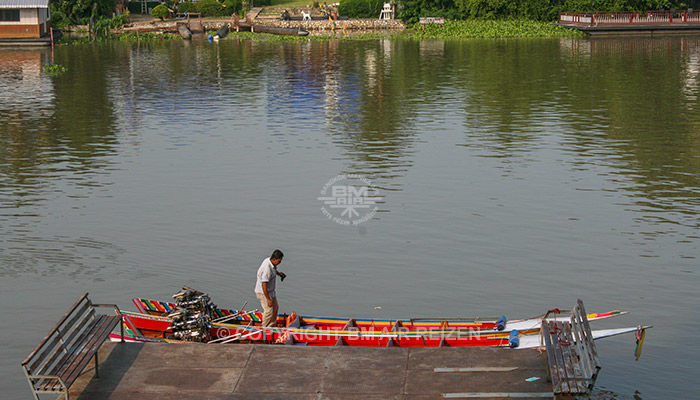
(55, 69)
(138, 36)
(481, 28)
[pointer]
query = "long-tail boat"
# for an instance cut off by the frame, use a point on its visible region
(152, 323)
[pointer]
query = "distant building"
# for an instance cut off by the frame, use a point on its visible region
(24, 19)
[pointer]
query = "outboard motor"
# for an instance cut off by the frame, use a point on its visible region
(193, 315)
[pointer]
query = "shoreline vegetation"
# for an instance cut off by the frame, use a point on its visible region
(488, 28)
(463, 18)
(451, 29)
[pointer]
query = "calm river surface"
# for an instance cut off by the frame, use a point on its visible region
(510, 177)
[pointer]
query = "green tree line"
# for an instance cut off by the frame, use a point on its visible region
(539, 10)
(65, 12)
(81, 11)
(547, 10)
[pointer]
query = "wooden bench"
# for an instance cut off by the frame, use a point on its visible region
(571, 353)
(61, 356)
(431, 21)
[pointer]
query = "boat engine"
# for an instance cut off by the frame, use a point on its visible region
(193, 315)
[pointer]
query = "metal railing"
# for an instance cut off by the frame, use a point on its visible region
(671, 17)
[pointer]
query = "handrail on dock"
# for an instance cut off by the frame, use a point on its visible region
(629, 18)
(571, 354)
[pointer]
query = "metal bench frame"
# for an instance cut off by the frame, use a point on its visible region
(571, 354)
(65, 351)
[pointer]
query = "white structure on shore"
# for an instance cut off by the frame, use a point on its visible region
(24, 19)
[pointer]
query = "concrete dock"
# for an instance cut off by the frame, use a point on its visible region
(243, 371)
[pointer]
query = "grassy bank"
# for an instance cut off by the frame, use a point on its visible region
(124, 37)
(476, 28)
(147, 36)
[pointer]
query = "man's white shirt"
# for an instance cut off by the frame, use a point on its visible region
(266, 273)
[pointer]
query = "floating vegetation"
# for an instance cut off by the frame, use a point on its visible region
(103, 26)
(451, 29)
(268, 37)
(124, 37)
(472, 28)
(480, 28)
(147, 36)
(55, 69)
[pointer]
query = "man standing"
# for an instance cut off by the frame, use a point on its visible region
(265, 287)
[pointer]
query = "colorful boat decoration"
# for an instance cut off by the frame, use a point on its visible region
(163, 308)
(157, 328)
(292, 336)
(229, 325)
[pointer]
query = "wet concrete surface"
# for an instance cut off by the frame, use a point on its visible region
(242, 371)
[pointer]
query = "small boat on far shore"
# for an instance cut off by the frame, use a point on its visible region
(222, 32)
(184, 31)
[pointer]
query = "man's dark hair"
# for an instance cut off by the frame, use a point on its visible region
(277, 255)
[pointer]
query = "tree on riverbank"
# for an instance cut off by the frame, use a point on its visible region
(538, 10)
(411, 10)
(547, 10)
(79, 12)
(360, 8)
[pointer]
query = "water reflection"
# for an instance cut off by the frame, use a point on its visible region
(346, 90)
(645, 94)
(159, 160)
(55, 134)
(625, 104)
(294, 90)
(513, 96)
(25, 112)
(624, 108)
(373, 119)
(84, 123)
(68, 255)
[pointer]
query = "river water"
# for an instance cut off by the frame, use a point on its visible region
(504, 176)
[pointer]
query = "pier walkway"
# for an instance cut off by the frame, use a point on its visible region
(244, 371)
(633, 22)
